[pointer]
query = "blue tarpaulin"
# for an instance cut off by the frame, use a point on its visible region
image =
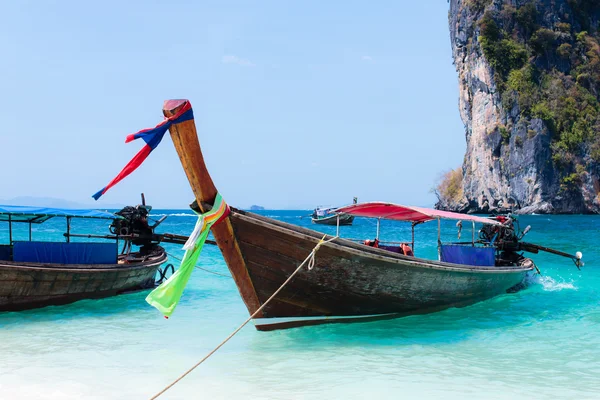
(468, 255)
(65, 253)
(4, 252)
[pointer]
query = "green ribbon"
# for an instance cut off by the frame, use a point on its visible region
(166, 296)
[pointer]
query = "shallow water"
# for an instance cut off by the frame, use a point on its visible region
(542, 342)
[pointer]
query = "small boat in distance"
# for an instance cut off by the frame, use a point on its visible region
(328, 216)
(348, 281)
(36, 273)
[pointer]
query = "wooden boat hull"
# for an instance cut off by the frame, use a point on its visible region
(345, 219)
(352, 282)
(31, 285)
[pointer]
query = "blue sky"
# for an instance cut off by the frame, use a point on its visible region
(297, 104)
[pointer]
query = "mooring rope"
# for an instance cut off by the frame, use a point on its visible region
(311, 262)
(199, 267)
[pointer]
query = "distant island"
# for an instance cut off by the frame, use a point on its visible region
(256, 208)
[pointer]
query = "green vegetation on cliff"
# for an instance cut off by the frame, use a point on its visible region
(547, 65)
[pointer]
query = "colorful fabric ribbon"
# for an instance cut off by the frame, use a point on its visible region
(152, 137)
(167, 295)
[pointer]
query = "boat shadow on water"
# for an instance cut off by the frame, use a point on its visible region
(131, 302)
(543, 300)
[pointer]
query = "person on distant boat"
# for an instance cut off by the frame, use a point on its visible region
(320, 212)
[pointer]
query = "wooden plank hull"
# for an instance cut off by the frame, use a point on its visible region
(29, 285)
(352, 282)
(345, 219)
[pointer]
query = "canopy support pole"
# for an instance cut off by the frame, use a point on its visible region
(473, 237)
(9, 229)
(378, 223)
(413, 237)
(30, 231)
(68, 229)
(439, 239)
(337, 230)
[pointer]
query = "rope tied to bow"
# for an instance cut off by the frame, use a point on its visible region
(311, 263)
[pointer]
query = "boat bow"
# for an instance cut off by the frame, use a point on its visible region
(185, 139)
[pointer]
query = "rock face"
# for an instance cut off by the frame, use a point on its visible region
(508, 161)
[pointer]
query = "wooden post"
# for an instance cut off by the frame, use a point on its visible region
(68, 229)
(439, 239)
(413, 237)
(187, 145)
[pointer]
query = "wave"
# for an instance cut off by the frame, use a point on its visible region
(550, 284)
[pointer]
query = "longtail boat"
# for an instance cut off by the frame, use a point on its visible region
(344, 281)
(351, 281)
(328, 216)
(332, 219)
(40, 273)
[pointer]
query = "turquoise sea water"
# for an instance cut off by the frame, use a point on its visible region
(542, 342)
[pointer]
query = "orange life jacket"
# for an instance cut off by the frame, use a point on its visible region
(406, 249)
(372, 243)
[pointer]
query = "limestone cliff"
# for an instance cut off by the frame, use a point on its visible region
(528, 96)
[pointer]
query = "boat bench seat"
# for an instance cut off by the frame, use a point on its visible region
(468, 255)
(394, 249)
(65, 253)
(5, 252)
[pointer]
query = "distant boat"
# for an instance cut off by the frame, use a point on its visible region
(328, 216)
(40, 273)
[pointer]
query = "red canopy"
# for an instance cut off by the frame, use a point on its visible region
(378, 209)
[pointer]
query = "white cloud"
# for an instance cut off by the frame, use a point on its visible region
(237, 60)
(367, 58)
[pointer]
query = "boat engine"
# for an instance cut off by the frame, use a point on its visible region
(500, 234)
(134, 224)
(506, 239)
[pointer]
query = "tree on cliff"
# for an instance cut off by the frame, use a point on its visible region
(449, 190)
